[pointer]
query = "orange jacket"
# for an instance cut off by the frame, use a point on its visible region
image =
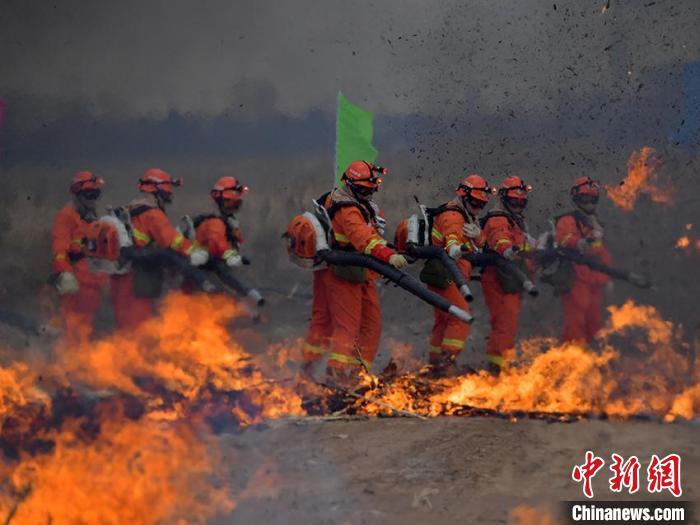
(67, 238)
(501, 232)
(568, 232)
(354, 230)
(151, 226)
(218, 238)
(448, 231)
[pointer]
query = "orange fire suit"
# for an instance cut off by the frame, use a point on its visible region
(318, 337)
(449, 334)
(221, 236)
(77, 310)
(583, 305)
(501, 230)
(150, 227)
(354, 306)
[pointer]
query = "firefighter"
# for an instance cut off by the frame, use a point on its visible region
(79, 289)
(350, 292)
(220, 234)
(580, 230)
(505, 232)
(134, 293)
(455, 228)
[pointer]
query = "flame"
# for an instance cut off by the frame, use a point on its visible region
(141, 473)
(126, 433)
(186, 351)
(127, 436)
(641, 177)
(652, 376)
(17, 389)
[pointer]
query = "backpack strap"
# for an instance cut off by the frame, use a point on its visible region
(432, 213)
(578, 217)
(367, 215)
(140, 209)
(496, 213)
(230, 234)
(199, 219)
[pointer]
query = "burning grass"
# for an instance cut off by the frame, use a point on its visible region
(124, 430)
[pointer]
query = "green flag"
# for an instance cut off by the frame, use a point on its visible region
(353, 136)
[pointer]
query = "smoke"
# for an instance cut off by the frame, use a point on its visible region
(133, 59)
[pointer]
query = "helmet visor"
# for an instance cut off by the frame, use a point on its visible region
(586, 199)
(91, 194)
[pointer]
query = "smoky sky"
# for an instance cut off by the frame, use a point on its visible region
(132, 59)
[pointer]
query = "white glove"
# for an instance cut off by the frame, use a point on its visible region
(398, 261)
(471, 229)
(198, 257)
(234, 260)
(67, 284)
(455, 251)
(597, 234)
(511, 253)
(582, 245)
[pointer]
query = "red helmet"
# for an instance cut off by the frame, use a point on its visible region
(228, 189)
(363, 174)
(514, 188)
(86, 181)
(474, 186)
(585, 186)
(156, 180)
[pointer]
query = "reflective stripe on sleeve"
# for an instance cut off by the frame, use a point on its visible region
(374, 242)
(140, 236)
(177, 241)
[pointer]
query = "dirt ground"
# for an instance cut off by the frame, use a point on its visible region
(445, 470)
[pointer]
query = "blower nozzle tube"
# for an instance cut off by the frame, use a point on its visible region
(405, 281)
(436, 252)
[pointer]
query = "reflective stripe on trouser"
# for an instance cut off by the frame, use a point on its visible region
(356, 320)
(320, 328)
(449, 333)
(583, 311)
(497, 360)
(504, 309)
(129, 310)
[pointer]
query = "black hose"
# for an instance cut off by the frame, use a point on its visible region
(172, 260)
(226, 275)
(490, 258)
(436, 252)
(404, 280)
(596, 264)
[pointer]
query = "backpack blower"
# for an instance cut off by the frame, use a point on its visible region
(307, 243)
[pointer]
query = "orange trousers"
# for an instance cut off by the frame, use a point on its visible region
(504, 309)
(79, 309)
(449, 333)
(355, 319)
(129, 310)
(583, 311)
(318, 336)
